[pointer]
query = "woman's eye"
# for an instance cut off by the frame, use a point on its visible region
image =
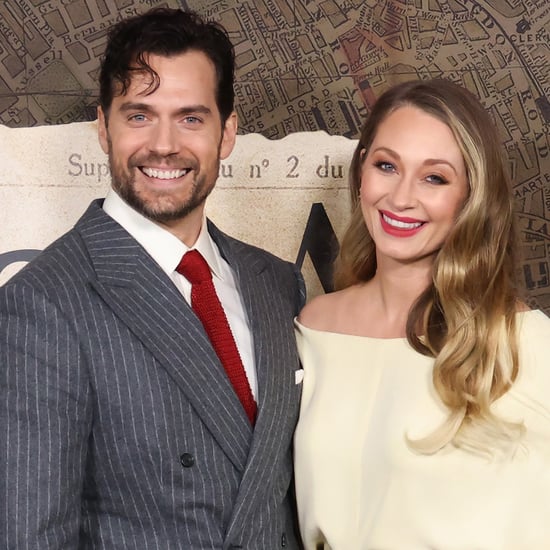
(384, 166)
(435, 178)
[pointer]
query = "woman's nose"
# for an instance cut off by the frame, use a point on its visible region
(402, 195)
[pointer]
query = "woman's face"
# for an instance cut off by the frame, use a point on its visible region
(413, 185)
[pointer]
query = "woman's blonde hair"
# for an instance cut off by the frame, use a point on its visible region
(465, 319)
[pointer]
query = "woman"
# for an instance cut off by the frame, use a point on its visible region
(424, 418)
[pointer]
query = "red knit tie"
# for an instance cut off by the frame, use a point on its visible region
(207, 306)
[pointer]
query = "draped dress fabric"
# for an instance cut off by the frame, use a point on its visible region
(359, 485)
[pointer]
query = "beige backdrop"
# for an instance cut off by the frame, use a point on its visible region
(264, 194)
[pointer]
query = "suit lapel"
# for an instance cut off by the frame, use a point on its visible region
(148, 303)
(249, 270)
(278, 394)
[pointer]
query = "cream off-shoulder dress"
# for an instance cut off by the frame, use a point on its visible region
(360, 487)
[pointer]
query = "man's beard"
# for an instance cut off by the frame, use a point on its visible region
(162, 208)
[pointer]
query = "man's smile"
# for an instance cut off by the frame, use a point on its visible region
(165, 174)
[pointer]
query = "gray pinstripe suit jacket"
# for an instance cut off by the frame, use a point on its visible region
(119, 427)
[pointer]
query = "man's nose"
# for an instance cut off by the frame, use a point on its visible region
(164, 139)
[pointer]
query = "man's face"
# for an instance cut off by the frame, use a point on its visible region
(164, 148)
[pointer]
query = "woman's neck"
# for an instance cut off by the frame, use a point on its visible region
(392, 292)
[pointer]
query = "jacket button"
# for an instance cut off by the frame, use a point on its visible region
(283, 540)
(187, 460)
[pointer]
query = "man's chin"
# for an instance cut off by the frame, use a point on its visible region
(159, 208)
(167, 217)
(165, 213)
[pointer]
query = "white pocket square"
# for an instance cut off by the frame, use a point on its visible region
(298, 376)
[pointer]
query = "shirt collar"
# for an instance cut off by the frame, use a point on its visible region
(164, 247)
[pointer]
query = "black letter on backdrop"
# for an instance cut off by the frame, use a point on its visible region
(25, 255)
(320, 242)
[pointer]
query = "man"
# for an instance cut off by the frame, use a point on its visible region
(122, 425)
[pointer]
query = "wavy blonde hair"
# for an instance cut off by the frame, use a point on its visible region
(465, 319)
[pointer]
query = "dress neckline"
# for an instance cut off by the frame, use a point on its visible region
(300, 326)
(304, 328)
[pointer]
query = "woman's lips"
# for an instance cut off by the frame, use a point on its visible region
(398, 226)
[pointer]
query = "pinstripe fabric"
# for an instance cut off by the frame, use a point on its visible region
(107, 378)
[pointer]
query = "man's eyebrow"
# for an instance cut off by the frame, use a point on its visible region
(134, 106)
(198, 109)
(187, 110)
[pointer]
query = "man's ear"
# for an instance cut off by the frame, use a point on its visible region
(229, 135)
(102, 130)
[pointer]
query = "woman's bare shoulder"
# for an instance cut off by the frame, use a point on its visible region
(324, 312)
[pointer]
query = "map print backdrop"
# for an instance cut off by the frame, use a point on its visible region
(308, 65)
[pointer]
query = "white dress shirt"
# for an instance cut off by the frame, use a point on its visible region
(167, 250)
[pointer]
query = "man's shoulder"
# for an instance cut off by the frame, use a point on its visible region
(49, 266)
(66, 254)
(243, 248)
(262, 253)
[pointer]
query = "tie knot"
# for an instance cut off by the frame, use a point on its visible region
(194, 268)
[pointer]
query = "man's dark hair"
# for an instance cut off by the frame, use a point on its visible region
(165, 32)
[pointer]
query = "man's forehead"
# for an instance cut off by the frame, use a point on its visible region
(146, 74)
(140, 77)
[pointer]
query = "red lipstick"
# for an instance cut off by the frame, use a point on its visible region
(398, 226)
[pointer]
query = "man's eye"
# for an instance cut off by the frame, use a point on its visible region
(191, 119)
(137, 118)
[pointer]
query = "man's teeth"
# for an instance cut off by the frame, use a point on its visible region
(164, 174)
(400, 224)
